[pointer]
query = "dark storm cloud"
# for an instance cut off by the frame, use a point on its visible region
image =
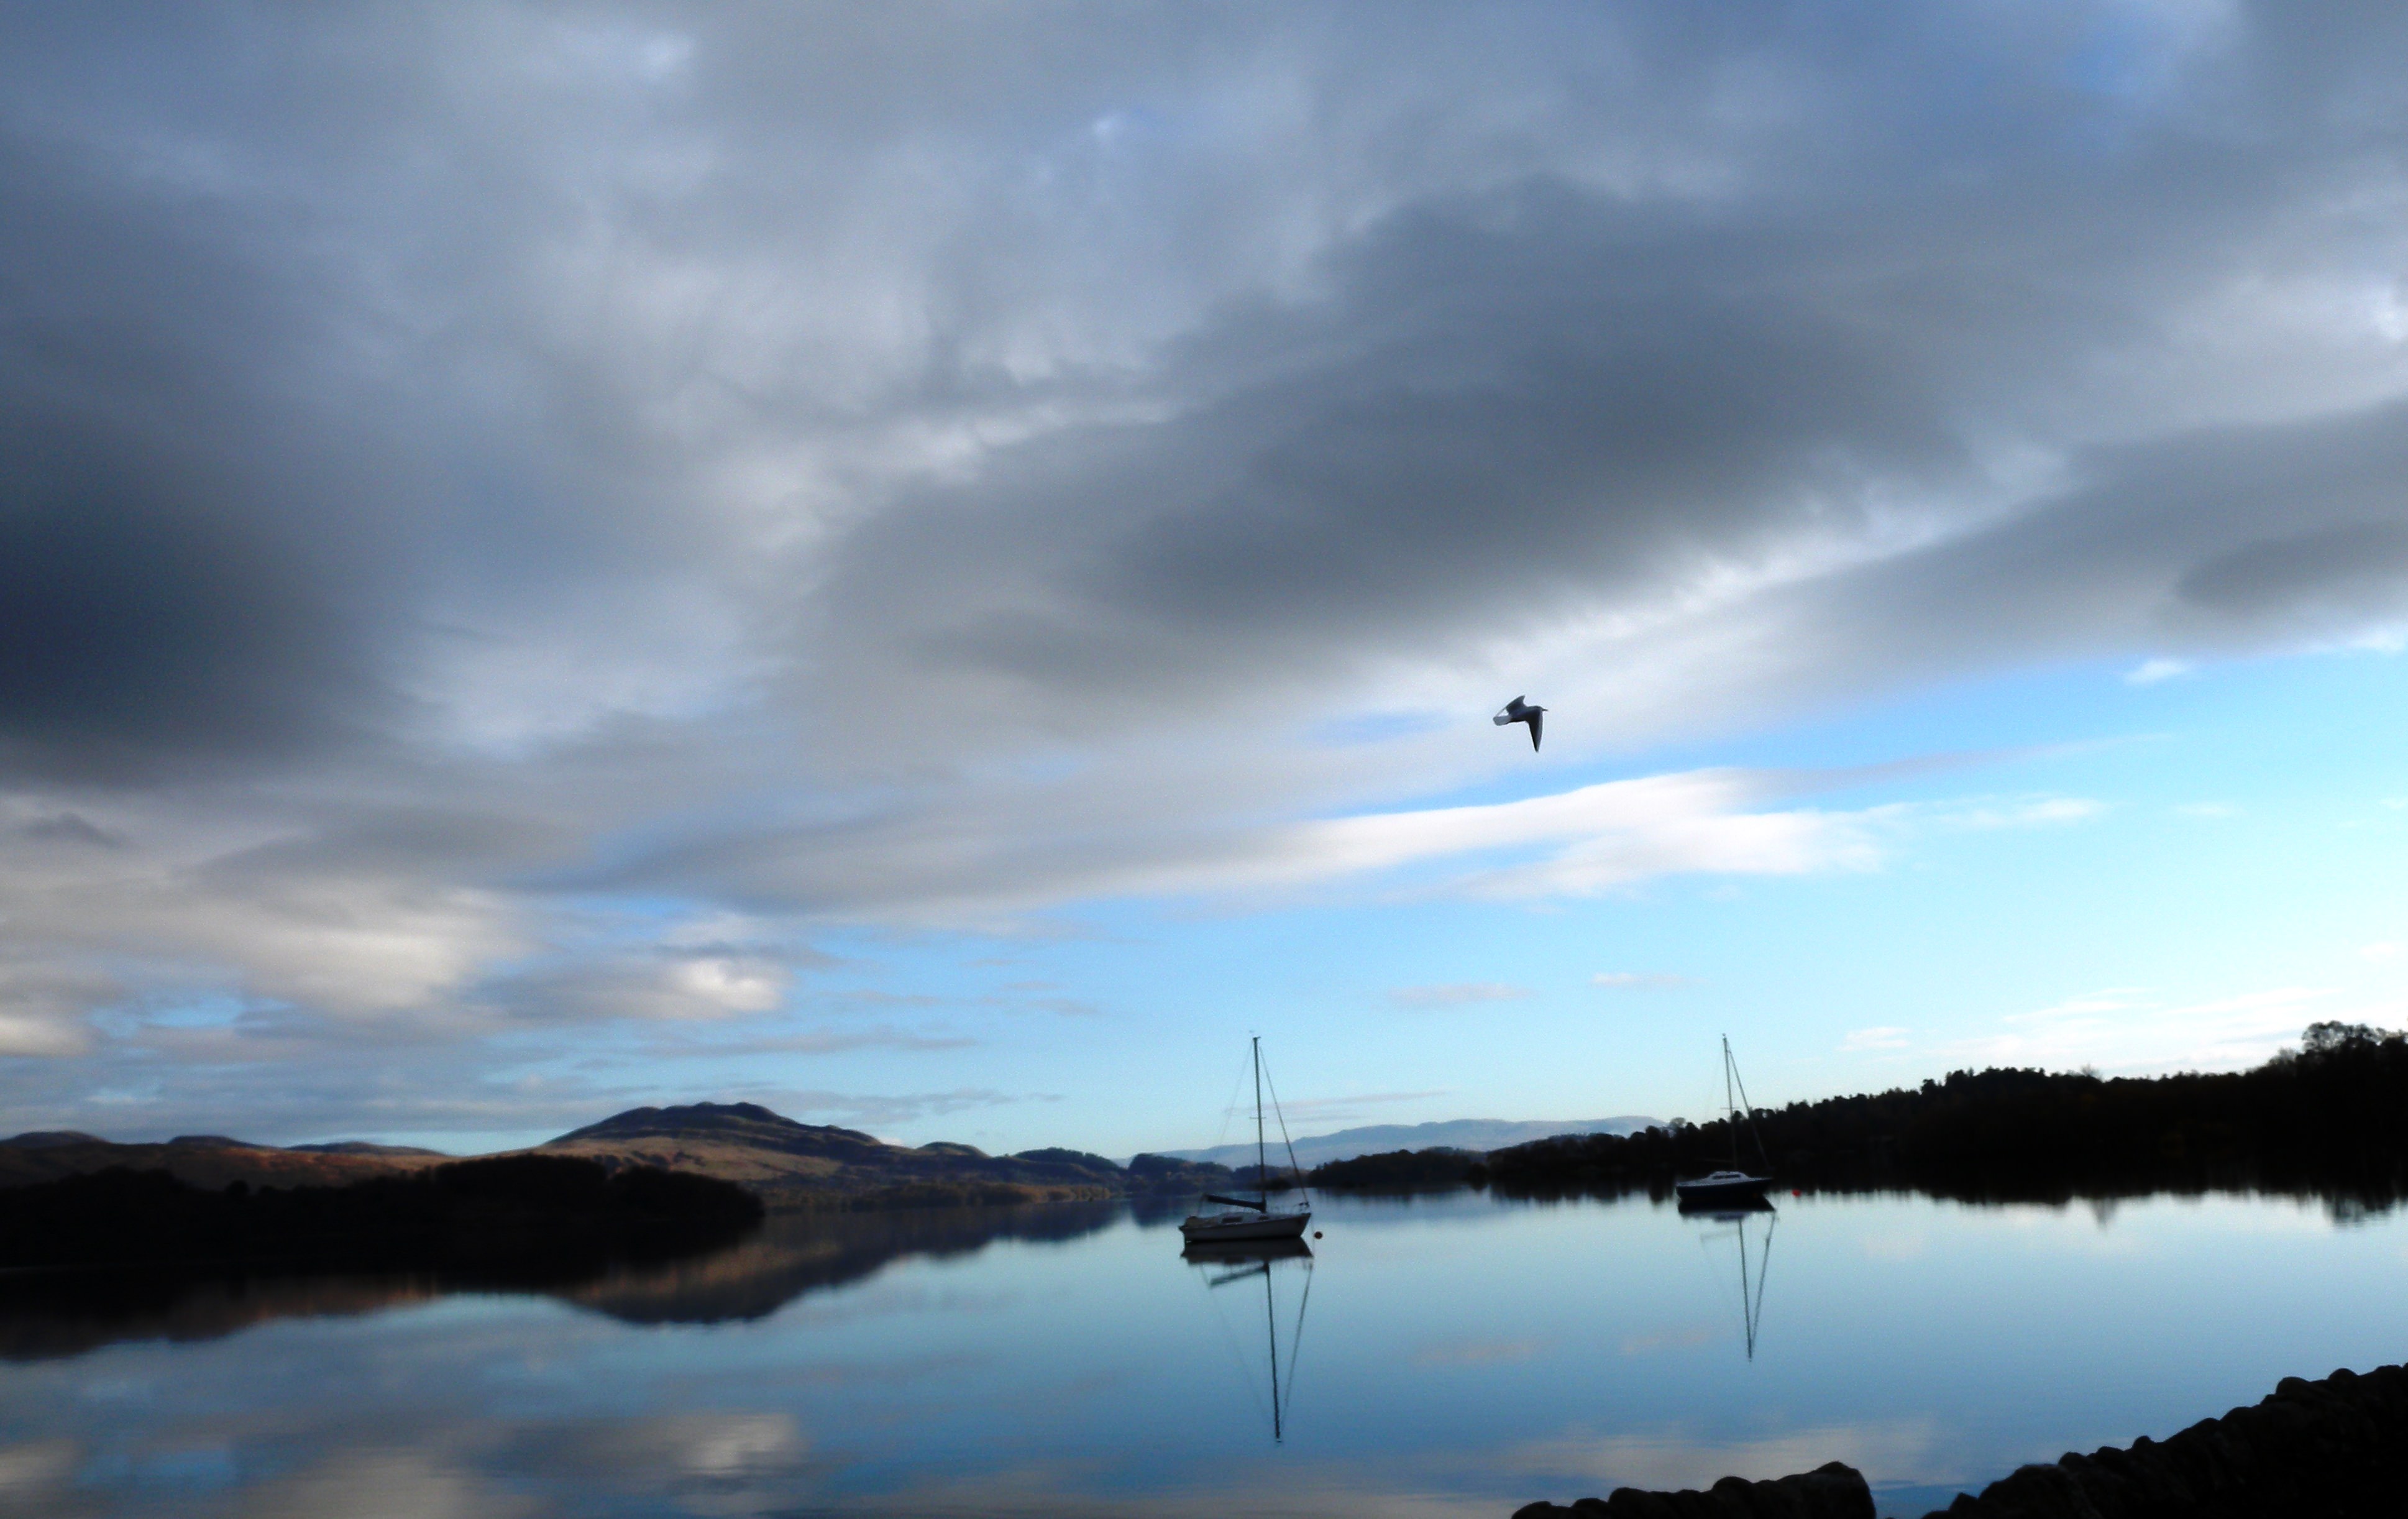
(158, 593)
(1504, 409)
(68, 827)
(491, 489)
(1498, 412)
(2164, 546)
(279, 427)
(2356, 569)
(1728, 285)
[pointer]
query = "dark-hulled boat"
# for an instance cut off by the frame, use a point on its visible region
(1733, 1184)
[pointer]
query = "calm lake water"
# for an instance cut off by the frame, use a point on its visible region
(1439, 1356)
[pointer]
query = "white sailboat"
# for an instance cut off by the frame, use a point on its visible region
(1248, 1219)
(1733, 1184)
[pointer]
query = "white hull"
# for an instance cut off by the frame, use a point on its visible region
(1215, 1227)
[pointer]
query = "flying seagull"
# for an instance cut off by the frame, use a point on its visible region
(1518, 710)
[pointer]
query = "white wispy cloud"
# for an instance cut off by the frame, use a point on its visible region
(2127, 1030)
(1591, 840)
(1337, 1110)
(1457, 993)
(2151, 671)
(2030, 812)
(1880, 1037)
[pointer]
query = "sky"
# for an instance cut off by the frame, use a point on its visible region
(937, 568)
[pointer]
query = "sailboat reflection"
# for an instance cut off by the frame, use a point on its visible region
(1233, 1264)
(1741, 1215)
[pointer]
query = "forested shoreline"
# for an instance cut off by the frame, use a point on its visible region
(2331, 1116)
(532, 1215)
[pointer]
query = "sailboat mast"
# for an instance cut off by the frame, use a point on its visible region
(1730, 1109)
(1261, 1173)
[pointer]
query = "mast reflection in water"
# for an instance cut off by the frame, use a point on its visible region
(1239, 1265)
(1739, 1217)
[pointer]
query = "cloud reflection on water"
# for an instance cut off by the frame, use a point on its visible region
(1671, 1455)
(699, 1463)
(33, 1473)
(380, 1484)
(1476, 1351)
(1464, 1355)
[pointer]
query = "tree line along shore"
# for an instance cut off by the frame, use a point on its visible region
(535, 1216)
(2330, 1117)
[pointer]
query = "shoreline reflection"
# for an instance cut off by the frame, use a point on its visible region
(55, 1315)
(1057, 1362)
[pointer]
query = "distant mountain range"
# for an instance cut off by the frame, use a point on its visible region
(791, 1163)
(1455, 1134)
(784, 1162)
(787, 1163)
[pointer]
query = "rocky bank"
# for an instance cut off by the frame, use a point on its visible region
(1832, 1491)
(2336, 1449)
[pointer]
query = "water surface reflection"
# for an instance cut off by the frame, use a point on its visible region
(1467, 1355)
(1734, 1221)
(47, 1314)
(1261, 1262)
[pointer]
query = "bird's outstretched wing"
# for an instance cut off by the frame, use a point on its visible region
(1509, 712)
(1538, 720)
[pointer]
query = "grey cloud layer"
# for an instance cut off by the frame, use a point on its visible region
(469, 467)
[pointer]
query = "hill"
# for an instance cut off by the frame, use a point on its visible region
(363, 1147)
(786, 1163)
(793, 1164)
(1475, 1134)
(209, 1161)
(1398, 1171)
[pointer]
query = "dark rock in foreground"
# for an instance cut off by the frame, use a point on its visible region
(2337, 1449)
(1831, 1491)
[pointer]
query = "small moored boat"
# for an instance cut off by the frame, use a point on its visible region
(1733, 1184)
(1248, 1219)
(1722, 1186)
